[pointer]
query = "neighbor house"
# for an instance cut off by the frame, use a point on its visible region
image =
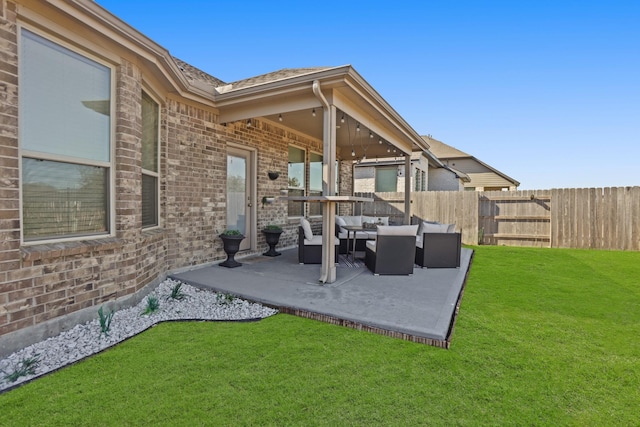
(387, 174)
(482, 177)
(120, 163)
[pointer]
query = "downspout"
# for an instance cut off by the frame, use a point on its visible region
(328, 268)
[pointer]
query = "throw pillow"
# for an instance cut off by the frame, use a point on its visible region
(306, 227)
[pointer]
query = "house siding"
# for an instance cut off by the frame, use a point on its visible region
(441, 179)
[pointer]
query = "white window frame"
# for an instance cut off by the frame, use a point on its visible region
(306, 184)
(152, 173)
(308, 189)
(108, 165)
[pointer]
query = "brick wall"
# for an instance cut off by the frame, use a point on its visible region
(45, 288)
(13, 282)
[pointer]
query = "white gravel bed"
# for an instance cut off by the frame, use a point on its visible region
(87, 339)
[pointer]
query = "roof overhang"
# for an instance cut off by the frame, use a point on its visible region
(292, 100)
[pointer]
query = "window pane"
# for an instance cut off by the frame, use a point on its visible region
(65, 101)
(315, 172)
(149, 133)
(296, 168)
(315, 183)
(296, 176)
(63, 199)
(149, 201)
(387, 179)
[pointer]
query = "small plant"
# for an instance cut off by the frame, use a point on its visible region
(225, 299)
(105, 321)
(273, 227)
(481, 236)
(176, 293)
(232, 233)
(152, 305)
(25, 367)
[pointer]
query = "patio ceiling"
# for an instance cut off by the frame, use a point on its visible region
(291, 103)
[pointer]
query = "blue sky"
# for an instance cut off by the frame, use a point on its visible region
(546, 91)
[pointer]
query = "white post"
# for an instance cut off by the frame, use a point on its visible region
(407, 189)
(328, 268)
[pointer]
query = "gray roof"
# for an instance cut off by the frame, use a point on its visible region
(200, 78)
(284, 73)
(195, 75)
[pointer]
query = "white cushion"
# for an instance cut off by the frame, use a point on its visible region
(340, 221)
(306, 227)
(452, 228)
(353, 220)
(371, 244)
(371, 235)
(434, 228)
(420, 230)
(419, 241)
(397, 230)
(317, 241)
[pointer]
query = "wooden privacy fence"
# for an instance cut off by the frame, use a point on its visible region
(591, 218)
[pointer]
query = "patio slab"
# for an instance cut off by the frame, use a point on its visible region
(420, 308)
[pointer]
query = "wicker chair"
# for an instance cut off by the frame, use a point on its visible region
(393, 251)
(310, 251)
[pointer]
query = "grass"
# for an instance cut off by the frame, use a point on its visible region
(544, 337)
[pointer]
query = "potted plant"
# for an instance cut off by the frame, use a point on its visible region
(231, 240)
(272, 237)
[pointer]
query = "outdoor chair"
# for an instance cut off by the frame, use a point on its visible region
(438, 246)
(393, 251)
(310, 245)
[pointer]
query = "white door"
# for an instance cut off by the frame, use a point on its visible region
(240, 203)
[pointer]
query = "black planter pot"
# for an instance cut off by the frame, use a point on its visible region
(231, 244)
(272, 237)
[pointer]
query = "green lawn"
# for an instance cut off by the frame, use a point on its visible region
(544, 337)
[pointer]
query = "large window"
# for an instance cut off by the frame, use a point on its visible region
(297, 173)
(150, 117)
(315, 183)
(65, 134)
(387, 179)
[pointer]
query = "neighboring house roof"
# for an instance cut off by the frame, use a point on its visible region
(446, 152)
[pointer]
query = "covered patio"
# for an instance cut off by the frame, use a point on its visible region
(334, 105)
(420, 308)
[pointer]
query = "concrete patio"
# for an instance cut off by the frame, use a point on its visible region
(420, 308)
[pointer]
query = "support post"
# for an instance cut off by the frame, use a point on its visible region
(407, 189)
(328, 267)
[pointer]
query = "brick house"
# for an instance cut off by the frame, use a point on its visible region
(120, 163)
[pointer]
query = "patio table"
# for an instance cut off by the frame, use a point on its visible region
(355, 229)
